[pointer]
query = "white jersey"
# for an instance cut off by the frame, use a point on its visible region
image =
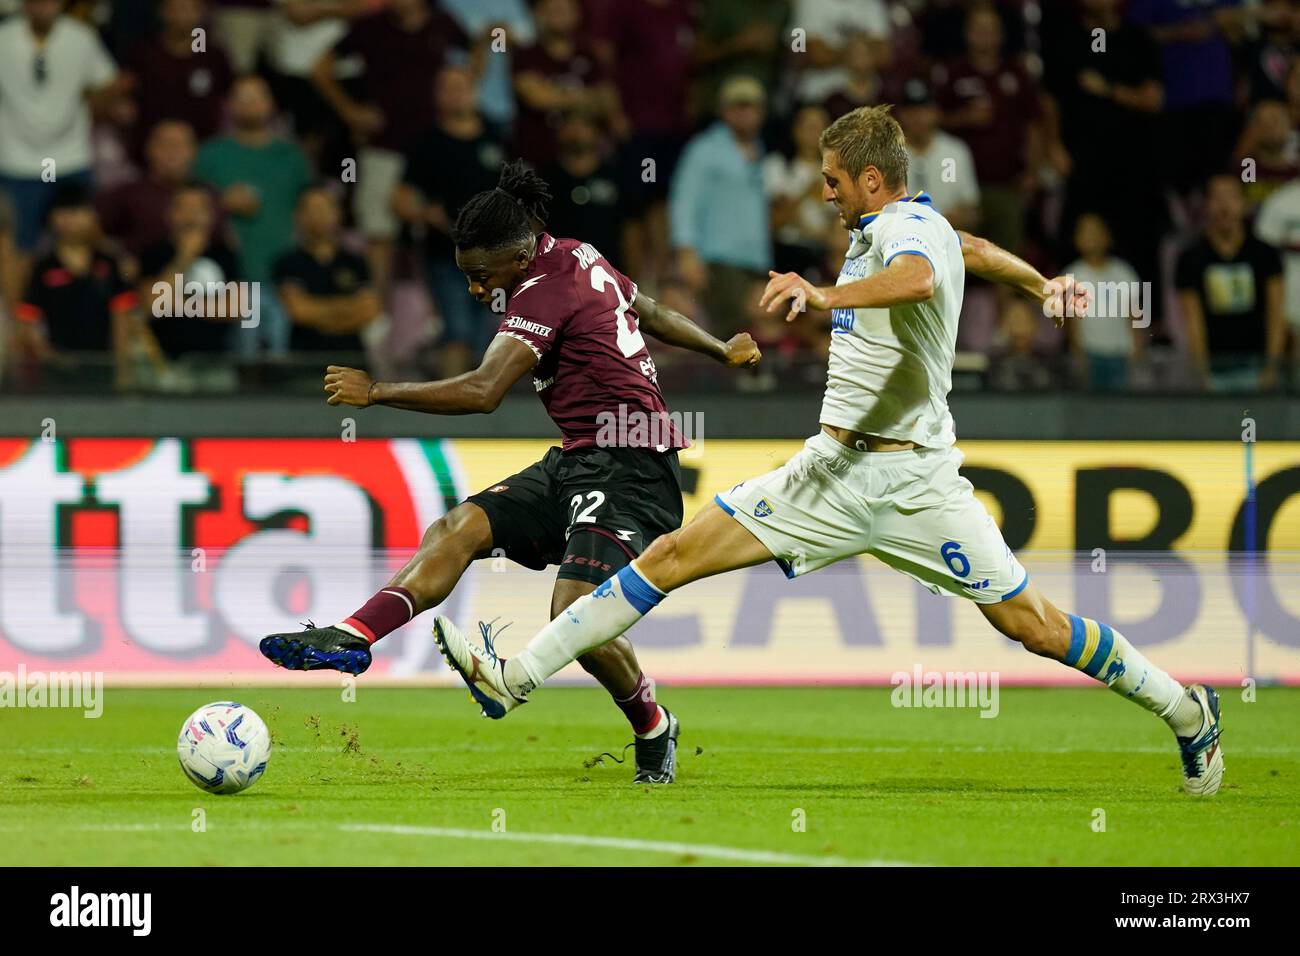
(891, 369)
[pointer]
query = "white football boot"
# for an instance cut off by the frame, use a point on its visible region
(480, 668)
(1202, 755)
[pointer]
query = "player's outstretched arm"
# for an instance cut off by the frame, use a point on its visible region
(477, 392)
(989, 261)
(673, 328)
(907, 279)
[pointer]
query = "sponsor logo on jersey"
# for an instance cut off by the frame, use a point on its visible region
(541, 384)
(855, 268)
(526, 325)
(842, 320)
(498, 488)
(762, 509)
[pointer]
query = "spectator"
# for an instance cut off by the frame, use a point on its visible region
(246, 28)
(991, 101)
(1106, 342)
(399, 49)
(561, 71)
(1278, 224)
(326, 289)
(828, 25)
(1230, 291)
(717, 211)
(942, 25)
(937, 163)
(640, 38)
(860, 83)
(53, 71)
(258, 177)
(1020, 365)
(584, 182)
(172, 79)
(459, 157)
(192, 252)
(1268, 152)
(737, 37)
(1112, 103)
(1269, 56)
(804, 225)
(76, 300)
(137, 213)
(1198, 118)
(305, 30)
(478, 18)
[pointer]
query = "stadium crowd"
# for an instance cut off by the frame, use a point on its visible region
(317, 151)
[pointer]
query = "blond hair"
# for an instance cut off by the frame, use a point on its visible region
(868, 136)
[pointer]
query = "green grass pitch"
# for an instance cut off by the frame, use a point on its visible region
(416, 777)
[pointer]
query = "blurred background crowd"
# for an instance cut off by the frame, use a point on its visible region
(320, 149)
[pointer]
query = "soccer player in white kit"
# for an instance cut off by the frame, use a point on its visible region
(881, 475)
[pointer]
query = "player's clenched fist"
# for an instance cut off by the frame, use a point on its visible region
(742, 351)
(1064, 298)
(347, 386)
(788, 287)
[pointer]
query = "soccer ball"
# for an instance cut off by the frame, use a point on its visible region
(224, 747)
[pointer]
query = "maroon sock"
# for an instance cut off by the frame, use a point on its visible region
(641, 710)
(384, 613)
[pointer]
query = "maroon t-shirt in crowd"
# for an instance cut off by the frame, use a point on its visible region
(190, 88)
(399, 70)
(999, 148)
(574, 310)
(535, 129)
(136, 213)
(651, 41)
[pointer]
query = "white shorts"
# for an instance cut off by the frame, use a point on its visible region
(911, 509)
(379, 173)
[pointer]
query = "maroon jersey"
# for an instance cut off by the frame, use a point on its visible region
(594, 374)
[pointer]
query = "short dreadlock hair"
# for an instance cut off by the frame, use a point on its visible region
(505, 215)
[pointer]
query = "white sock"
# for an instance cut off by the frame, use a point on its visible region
(658, 728)
(1106, 654)
(586, 624)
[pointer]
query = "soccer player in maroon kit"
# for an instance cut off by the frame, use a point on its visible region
(576, 323)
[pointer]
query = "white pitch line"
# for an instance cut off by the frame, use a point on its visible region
(736, 854)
